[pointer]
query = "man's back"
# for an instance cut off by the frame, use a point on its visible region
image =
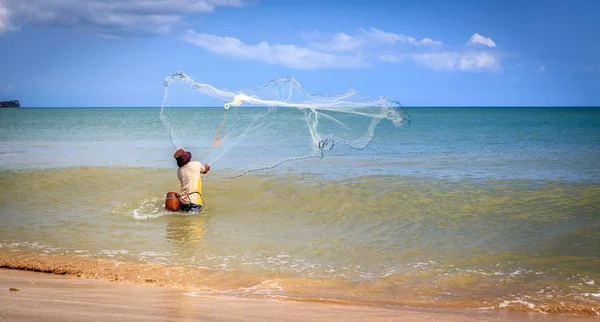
(190, 177)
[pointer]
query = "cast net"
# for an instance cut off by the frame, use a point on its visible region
(268, 126)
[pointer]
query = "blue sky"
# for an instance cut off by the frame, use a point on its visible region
(420, 53)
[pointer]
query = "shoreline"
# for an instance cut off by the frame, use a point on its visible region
(79, 274)
(54, 297)
(247, 286)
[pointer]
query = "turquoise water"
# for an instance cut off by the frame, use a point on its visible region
(505, 143)
(477, 207)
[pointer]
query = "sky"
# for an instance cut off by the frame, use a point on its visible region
(111, 53)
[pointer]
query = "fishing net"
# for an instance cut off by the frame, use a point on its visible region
(268, 126)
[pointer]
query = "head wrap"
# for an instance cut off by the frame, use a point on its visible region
(183, 157)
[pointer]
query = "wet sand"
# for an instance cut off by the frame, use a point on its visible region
(51, 297)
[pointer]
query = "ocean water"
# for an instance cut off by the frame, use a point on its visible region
(488, 208)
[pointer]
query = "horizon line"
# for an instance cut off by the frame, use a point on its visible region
(401, 106)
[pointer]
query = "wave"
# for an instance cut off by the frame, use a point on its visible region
(199, 281)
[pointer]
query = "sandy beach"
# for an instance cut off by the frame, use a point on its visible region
(28, 296)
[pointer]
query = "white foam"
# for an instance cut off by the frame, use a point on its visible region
(149, 253)
(143, 213)
(389, 273)
(112, 253)
(530, 305)
(268, 287)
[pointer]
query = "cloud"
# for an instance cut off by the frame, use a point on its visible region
(479, 39)
(109, 36)
(467, 61)
(441, 58)
(394, 38)
(342, 50)
(371, 38)
(542, 68)
(291, 56)
(155, 16)
(339, 42)
(4, 20)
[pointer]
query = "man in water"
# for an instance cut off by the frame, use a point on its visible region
(189, 173)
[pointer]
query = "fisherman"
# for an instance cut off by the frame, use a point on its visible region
(189, 174)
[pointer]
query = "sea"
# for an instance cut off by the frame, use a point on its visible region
(470, 208)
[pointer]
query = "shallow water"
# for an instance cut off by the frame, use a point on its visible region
(507, 218)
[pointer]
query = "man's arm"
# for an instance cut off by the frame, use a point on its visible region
(206, 168)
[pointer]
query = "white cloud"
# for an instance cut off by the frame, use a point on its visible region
(370, 39)
(471, 61)
(291, 56)
(3, 18)
(466, 62)
(440, 57)
(112, 15)
(339, 42)
(479, 39)
(5, 24)
(391, 38)
(346, 51)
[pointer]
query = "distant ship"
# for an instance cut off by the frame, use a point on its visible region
(13, 103)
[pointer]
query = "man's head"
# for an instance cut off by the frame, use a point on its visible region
(182, 157)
